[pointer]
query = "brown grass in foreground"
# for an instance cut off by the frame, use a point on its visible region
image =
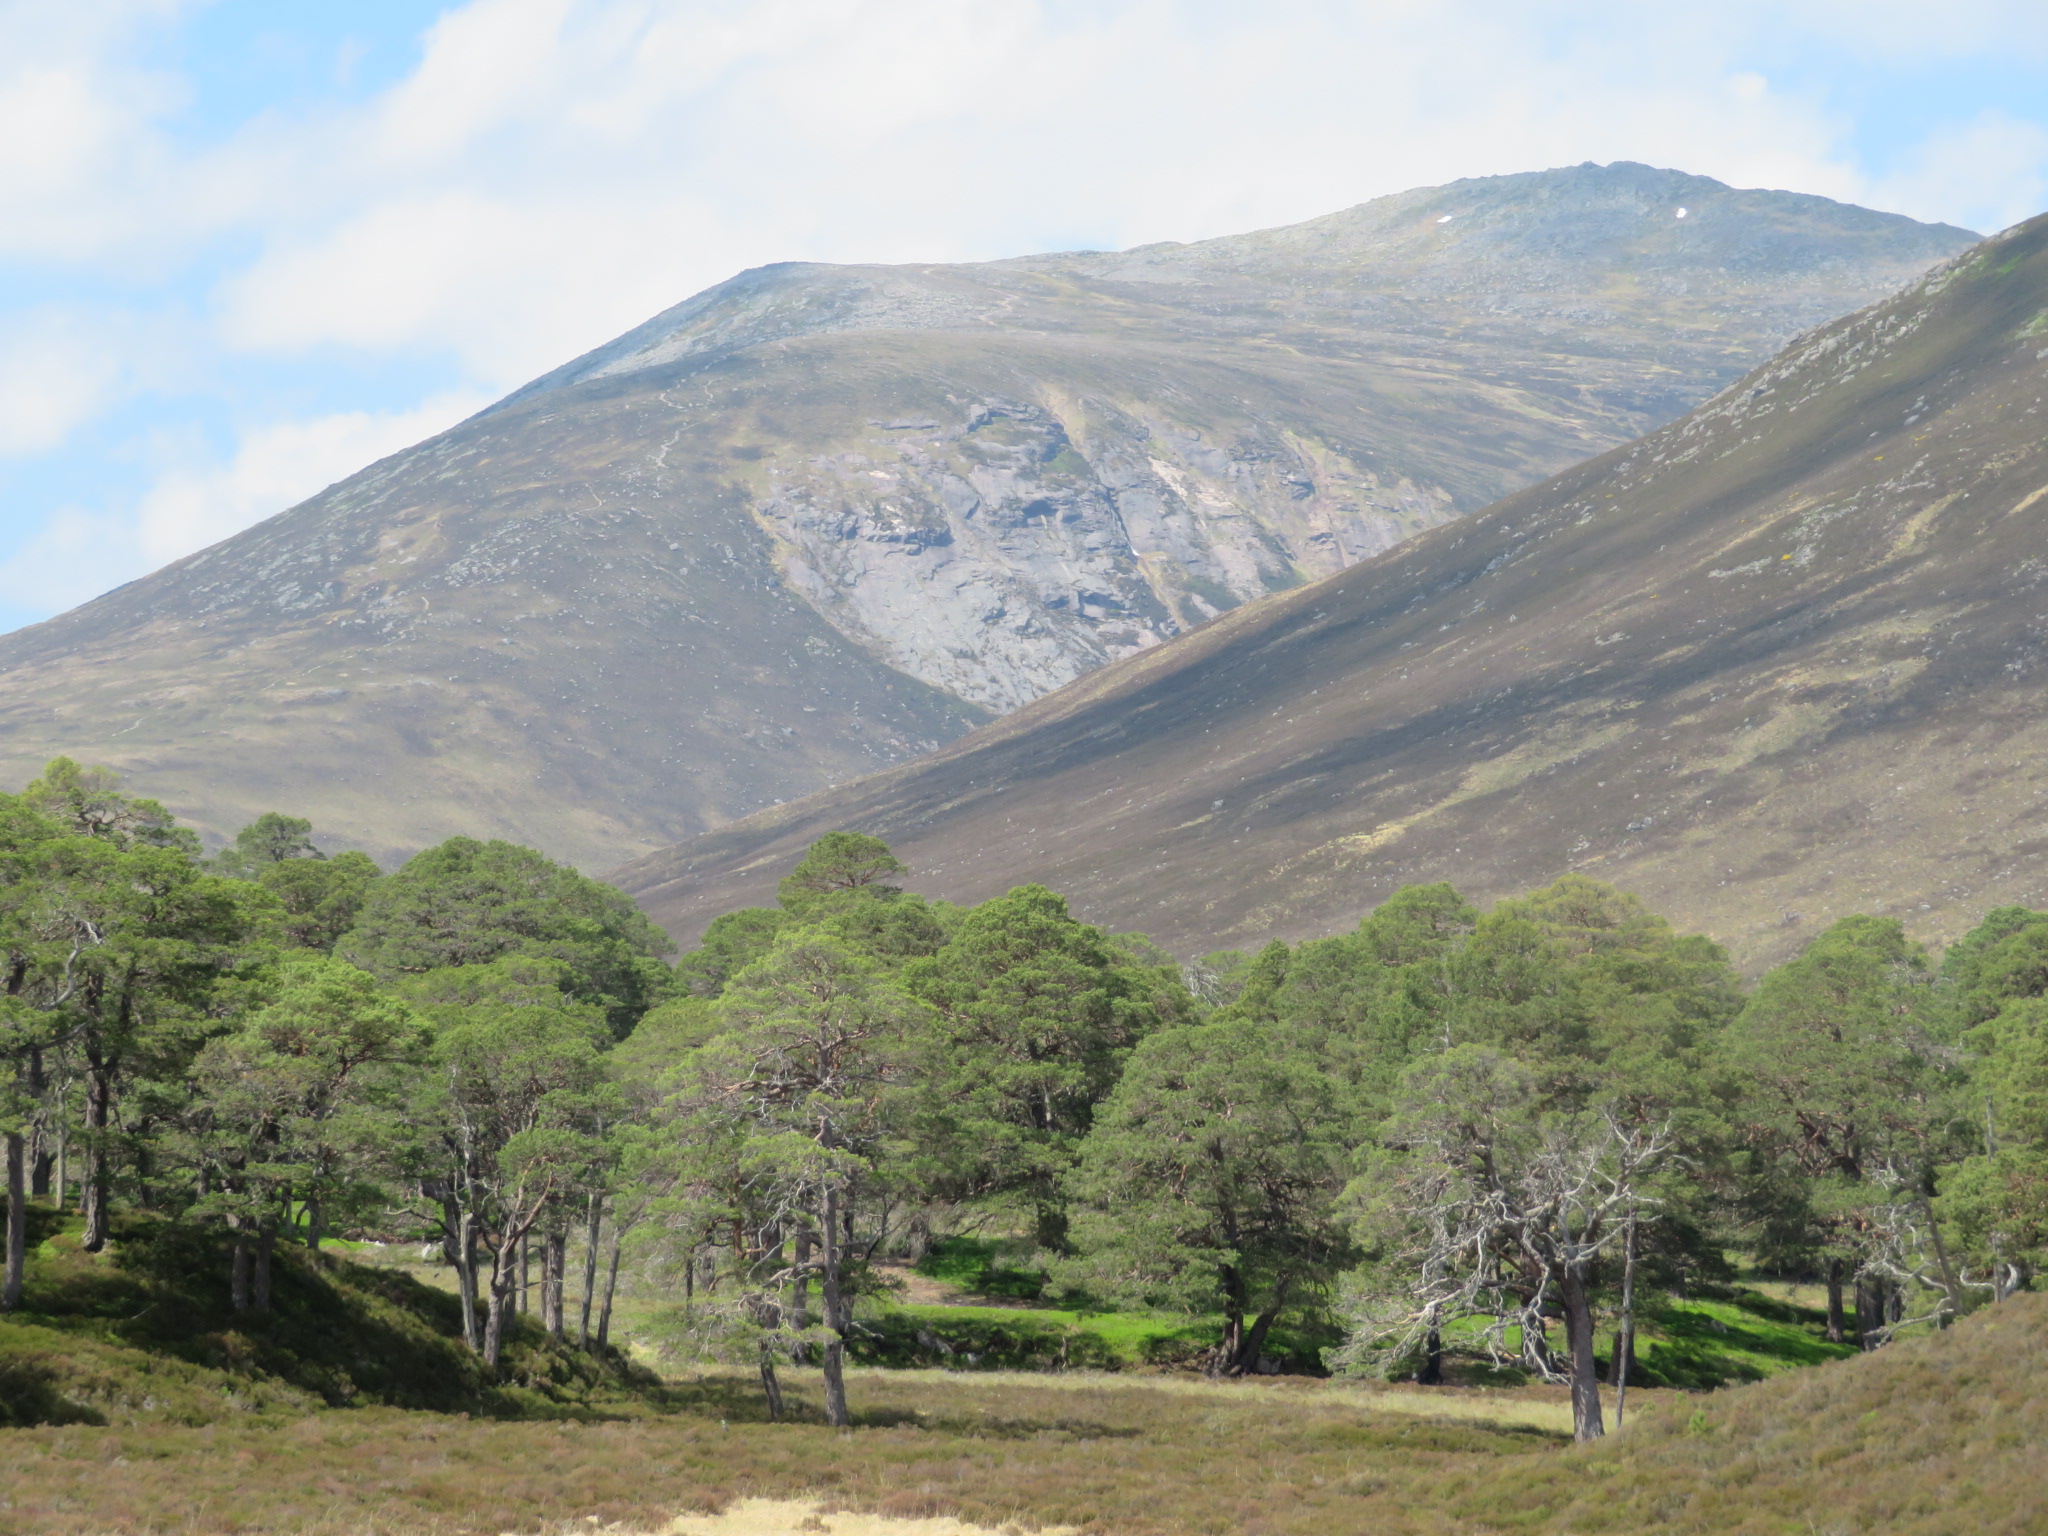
(1106, 1455)
(1933, 1436)
(809, 1517)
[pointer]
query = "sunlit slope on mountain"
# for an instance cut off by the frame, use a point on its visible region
(1060, 460)
(1777, 662)
(819, 519)
(468, 638)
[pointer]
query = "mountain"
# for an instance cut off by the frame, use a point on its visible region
(818, 520)
(1777, 662)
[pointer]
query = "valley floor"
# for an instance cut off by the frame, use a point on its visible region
(1937, 1435)
(164, 1416)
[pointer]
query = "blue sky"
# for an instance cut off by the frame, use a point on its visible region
(246, 248)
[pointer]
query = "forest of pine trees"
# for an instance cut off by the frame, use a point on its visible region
(1445, 1134)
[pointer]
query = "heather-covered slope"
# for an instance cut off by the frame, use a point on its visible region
(817, 520)
(1934, 1435)
(1777, 662)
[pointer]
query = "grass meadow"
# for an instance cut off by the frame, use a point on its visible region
(145, 1409)
(1935, 1435)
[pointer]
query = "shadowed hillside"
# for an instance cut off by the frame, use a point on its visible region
(818, 520)
(142, 1333)
(1775, 663)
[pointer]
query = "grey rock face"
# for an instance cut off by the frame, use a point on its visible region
(997, 546)
(996, 559)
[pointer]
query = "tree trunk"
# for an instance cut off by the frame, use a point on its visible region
(93, 1186)
(1869, 1312)
(315, 1229)
(836, 1414)
(611, 1286)
(1837, 1324)
(1224, 1361)
(525, 1272)
(17, 1221)
(1578, 1330)
(464, 1245)
(238, 1272)
(770, 1387)
(1247, 1361)
(1432, 1372)
(37, 1086)
(63, 1166)
(266, 1246)
(1951, 1286)
(1625, 1335)
(1624, 1369)
(1050, 1227)
(557, 1261)
(505, 1282)
(1536, 1351)
(591, 1234)
(800, 1295)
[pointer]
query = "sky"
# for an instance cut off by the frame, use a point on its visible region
(247, 248)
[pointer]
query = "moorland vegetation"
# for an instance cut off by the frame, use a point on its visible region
(1449, 1145)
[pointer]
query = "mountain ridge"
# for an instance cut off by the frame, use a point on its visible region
(634, 604)
(1746, 608)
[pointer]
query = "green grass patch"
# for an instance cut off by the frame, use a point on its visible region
(1694, 1343)
(1745, 1336)
(978, 1265)
(1053, 1338)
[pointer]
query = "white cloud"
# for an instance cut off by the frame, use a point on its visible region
(58, 369)
(83, 169)
(277, 466)
(556, 171)
(80, 552)
(553, 171)
(76, 554)
(1991, 172)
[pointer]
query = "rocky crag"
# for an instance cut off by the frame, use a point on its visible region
(818, 520)
(1775, 663)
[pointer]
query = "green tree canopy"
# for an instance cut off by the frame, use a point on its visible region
(1210, 1177)
(467, 902)
(300, 1106)
(89, 802)
(271, 838)
(836, 863)
(321, 897)
(510, 1120)
(1036, 1013)
(808, 1072)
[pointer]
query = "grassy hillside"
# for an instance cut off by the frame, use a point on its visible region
(1937, 1435)
(142, 1333)
(1926, 1438)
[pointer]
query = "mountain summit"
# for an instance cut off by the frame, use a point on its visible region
(817, 520)
(1778, 662)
